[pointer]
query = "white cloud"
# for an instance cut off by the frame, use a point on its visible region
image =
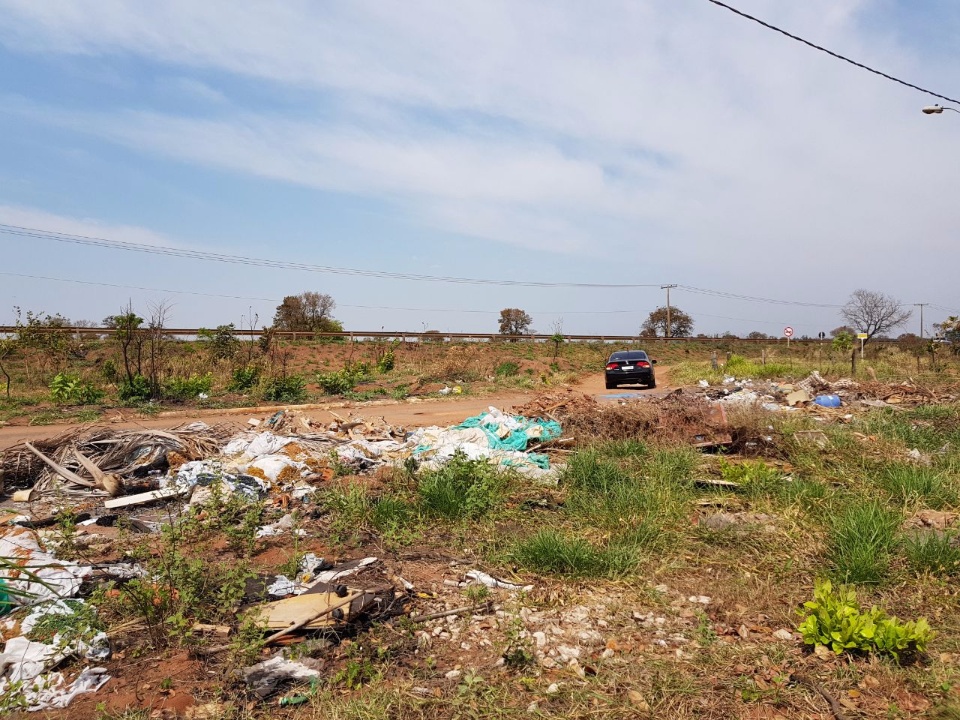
(33, 218)
(548, 125)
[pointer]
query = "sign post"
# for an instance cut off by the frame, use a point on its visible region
(788, 333)
(862, 337)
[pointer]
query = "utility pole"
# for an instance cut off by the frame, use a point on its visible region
(667, 288)
(920, 305)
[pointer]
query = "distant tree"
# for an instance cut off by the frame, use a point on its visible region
(729, 336)
(514, 321)
(842, 329)
(130, 337)
(949, 330)
(681, 324)
(873, 313)
(307, 312)
(757, 335)
(8, 346)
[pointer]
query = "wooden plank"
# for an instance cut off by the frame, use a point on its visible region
(144, 498)
(302, 609)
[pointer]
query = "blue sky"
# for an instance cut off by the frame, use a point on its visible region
(642, 142)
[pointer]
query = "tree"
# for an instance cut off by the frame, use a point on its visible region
(514, 321)
(949, 330)
(757, 335)
(681, 324)
(873, 313)
(306, 312)
(843, 329)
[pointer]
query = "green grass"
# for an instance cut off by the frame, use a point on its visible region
(927, 427)
(755, 478)
(461, 489)
(916, 484)
(862, 535)
(934, 553)
(550, 552)
(508, 368)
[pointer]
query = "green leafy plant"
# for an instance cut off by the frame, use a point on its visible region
(71, 390)
(135, 389)
(507, 368)
(184, 388)
(244, 378)
(835, 620)
(343, 380)
(386, 362)
(291, 388)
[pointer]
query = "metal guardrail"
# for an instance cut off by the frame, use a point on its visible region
(404, 336)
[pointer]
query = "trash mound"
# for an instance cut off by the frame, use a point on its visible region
(676, 417)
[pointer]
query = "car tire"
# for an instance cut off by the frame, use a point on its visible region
(653, 383)
(611, 386)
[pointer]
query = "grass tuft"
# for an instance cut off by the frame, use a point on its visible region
(934, 553)
(549, 552)
(917, 484)
(861, 538)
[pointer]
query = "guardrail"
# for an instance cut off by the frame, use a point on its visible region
(357, 335)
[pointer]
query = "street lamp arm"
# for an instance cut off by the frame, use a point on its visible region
(937, 109)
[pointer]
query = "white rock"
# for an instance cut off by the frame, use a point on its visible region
(700, 599)
(607, 654)
(553, 689)
(541, 638)
(453, 675)
(590, 638)
(567, 653)
(783, 634)
(533, 707)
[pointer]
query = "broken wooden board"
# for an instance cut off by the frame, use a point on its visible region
(144, 498)
(282, 614)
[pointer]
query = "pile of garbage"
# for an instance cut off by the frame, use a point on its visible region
(98, 472)
(816, 393)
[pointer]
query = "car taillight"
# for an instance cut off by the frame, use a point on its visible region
(612, 366)
(643, 363)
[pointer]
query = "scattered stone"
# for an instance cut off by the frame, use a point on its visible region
(453, 675)
(553, 689)
(700, 599)
(783, 634)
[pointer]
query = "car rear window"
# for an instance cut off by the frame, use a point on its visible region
(633, 355)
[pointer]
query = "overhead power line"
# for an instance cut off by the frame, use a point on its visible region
(287, 265)
(751, 298)
(277, 300)
(838, 56)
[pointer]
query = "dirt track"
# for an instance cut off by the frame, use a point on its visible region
(411, 413)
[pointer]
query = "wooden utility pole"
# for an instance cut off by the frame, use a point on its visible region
(667, 288)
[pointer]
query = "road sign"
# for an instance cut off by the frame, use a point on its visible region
(788, 331)
(862, 336)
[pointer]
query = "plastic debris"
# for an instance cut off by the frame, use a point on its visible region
(492, 582)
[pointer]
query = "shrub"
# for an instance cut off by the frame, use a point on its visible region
(343, 380)
(69, 389)
(180, 388)
(836, 621)
(244, 378)
(291, 388)
(135, 390)
(386, 362)
(507, 369)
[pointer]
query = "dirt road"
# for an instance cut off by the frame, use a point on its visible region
(409, 413)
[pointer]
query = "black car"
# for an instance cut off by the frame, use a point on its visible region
(630, 366)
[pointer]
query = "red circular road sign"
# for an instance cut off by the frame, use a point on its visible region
(788, 331)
